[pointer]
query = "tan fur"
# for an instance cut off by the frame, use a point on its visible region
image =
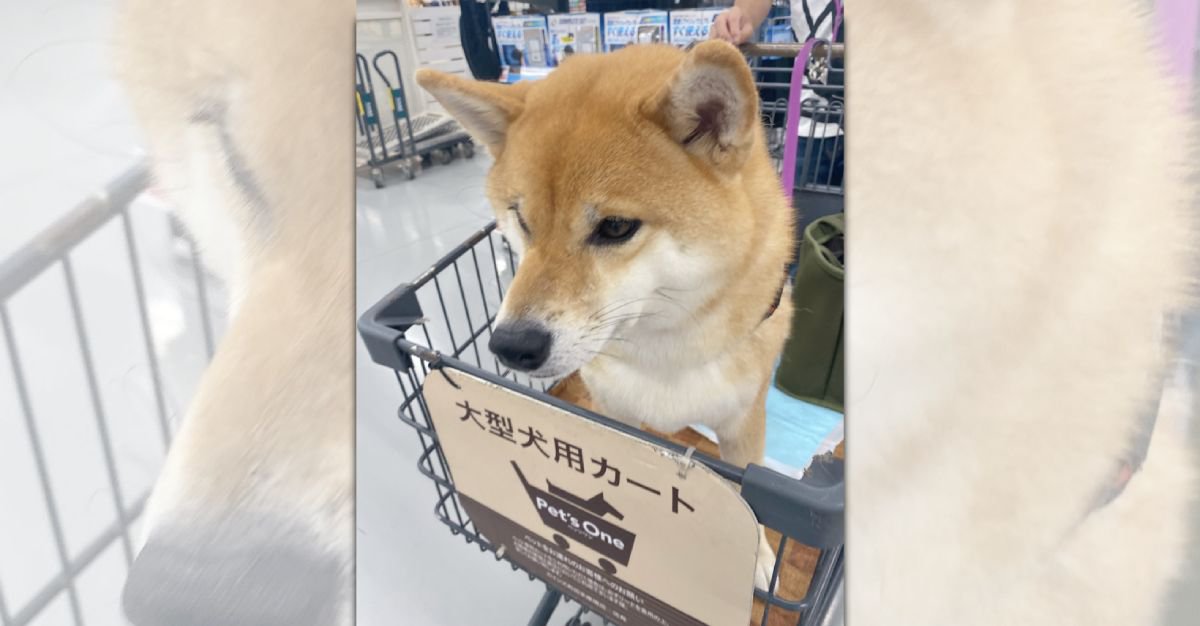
(1018, 218)
(666, 330)
(270, 431)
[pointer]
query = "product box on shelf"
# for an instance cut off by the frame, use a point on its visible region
(688, 25)
(623, 28)
(574, 33)
(777, 30)
(524, 40)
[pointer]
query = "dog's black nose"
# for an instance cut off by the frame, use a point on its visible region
(521, 345)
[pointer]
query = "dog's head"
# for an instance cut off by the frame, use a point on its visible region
(250, 521)
(626, 182)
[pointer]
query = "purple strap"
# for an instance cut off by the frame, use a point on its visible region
(1178, 21)
(791, 138)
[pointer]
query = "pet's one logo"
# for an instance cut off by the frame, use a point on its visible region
(582, 520)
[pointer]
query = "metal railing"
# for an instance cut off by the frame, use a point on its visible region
(53, 250)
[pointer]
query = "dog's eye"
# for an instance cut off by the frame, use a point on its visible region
(614, 230)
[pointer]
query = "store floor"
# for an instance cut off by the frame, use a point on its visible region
(411, 570)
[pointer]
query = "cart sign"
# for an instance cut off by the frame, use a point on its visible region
(630, 530)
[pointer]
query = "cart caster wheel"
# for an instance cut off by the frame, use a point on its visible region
(440, 157)
(410, 173)
(458, 151)
(414, 165)
(561, 541)
(608, 567)
(469, 150)
(377, 178)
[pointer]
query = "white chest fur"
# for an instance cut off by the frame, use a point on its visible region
(668, 399)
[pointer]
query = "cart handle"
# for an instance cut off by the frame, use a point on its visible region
(383, 75)
(792, 50)
(26, 263)
(382, 326)
(363, 72)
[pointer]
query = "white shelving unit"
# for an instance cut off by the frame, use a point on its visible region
(422, 37)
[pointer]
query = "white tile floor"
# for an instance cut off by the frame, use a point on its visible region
(410, 569)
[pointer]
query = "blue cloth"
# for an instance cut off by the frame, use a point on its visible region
(796, 429)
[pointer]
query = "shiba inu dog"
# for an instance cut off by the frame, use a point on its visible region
(653, 236)
(1020, 230)
(251, 521)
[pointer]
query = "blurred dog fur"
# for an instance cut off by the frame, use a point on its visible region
(244, 108)
(1020, 226)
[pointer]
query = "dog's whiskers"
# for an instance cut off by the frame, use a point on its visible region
(666, 298)
(613, 321)
(612, 308)
(596, 353)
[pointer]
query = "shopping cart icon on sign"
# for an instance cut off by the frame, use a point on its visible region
(583, 520)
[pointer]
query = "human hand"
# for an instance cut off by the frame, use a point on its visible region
(733, 26)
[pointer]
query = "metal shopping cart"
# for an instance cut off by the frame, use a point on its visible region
(109, 255)
(442, 321)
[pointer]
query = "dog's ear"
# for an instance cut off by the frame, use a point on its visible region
(710, 106)
(485, 109)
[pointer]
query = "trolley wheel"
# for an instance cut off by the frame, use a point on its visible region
(414, 165)
(608, 567)
(469, 150)
(377, 177)
(561, 541)
(440, 157)
(410, 172)
(458, 151)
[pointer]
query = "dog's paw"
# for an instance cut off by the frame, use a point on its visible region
(766, 562)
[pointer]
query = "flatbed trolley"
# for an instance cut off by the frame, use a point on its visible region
(403, 143)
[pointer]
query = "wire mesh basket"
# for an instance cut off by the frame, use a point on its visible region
(443, 321)
(96, 370)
